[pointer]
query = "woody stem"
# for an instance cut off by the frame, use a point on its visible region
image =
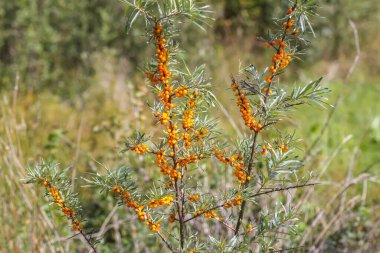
(165, 241)
(250, 166)
(179, 198)
(88, 241)
(179, 203)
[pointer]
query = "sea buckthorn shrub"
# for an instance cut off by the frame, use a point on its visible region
(190, 141)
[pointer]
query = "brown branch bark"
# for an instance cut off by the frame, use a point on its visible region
(88, 240)
(279, 189)
(165, 241)
(250, 165)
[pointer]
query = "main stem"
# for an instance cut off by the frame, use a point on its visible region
(180, 211)
(250, 166)
(179, 196)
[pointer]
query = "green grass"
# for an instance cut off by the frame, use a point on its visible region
(82, 133)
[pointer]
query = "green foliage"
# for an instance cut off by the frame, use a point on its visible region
(53, 173)
(53, 44)
(59, 189)
(43, 131)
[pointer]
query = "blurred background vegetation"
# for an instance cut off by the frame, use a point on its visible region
(72, 88)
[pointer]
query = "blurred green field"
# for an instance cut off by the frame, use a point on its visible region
(74, 91)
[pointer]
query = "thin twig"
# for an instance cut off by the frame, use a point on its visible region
(107, 220)
(357, 46)
(88, 240)
(279, 189)
(165, 241)
(225, 224)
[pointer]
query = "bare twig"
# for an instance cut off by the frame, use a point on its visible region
(357, 46)
(225, 224)
(230, 119)
(107, 220)
(165, 241)
(279, 189)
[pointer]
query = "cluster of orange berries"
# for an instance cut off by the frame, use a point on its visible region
(154, 227)
(152, 77)
(166, 96)
(245, 109)
(264, 149)
(275, 43)
(234, 161)
(238, 200)
(140, 212)
(58, 199)
(200, 134)
(228, 204)
(187, 139)
(172, 218)
(181, 91)
(163, 117)
(191, 158)
(188, 115)
(126, 198)
(288, 25)
(165, 168)
(235, 202)
(192, 99)
(193, 198)
(210, 215)
(141, 149)
(265, 90)
(280, 59)
(221, 157)
(160, 158)
(164, 201)
(283, 148)
(162, 55)
(207, 214)
(295, 31)
(188, 119)
(240, 173)
(173, 135)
